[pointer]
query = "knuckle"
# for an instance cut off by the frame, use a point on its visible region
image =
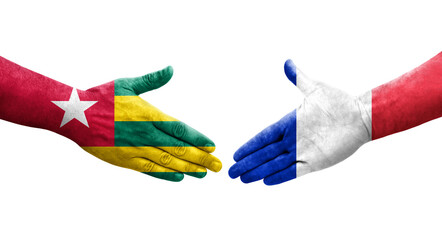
(180, 150)
(165, 159)
(203, 159)
(148, 167)
(147, 80)
(179, 130)
(187, 167)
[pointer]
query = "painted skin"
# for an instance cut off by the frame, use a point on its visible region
(329, 126)
(109, 121)
(149, 141)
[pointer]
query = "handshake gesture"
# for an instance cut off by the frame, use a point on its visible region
(113, 123)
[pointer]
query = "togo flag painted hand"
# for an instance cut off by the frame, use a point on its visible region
(109, 121)
(326, 129)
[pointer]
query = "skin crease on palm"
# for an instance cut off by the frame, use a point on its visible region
(328, 127)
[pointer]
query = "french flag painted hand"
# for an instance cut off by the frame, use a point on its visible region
(331, 125)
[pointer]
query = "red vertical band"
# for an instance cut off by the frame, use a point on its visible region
(26, 98)
(410, 100)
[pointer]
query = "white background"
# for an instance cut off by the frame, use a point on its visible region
(229, 84)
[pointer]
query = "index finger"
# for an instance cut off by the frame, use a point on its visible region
(269, 135)
(185, 133)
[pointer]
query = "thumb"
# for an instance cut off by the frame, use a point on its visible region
(145, 83)
(293, 73)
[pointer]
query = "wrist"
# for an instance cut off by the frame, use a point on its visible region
(364, 105)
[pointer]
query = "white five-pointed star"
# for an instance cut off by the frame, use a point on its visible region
(74, 108)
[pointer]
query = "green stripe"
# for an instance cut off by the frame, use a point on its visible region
(122, 87)
(170, 176)
(144, 134)
(196, 174)
(175, 176)
(138, 85)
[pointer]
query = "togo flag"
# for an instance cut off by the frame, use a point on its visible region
(110, 121)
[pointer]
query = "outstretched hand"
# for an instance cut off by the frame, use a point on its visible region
(327, 128)
(143, 138)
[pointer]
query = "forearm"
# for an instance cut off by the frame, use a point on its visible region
(31, 99)
(408, 101)
(24, 95)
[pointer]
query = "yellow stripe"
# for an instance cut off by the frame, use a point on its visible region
(134, 108)
(127, 157)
